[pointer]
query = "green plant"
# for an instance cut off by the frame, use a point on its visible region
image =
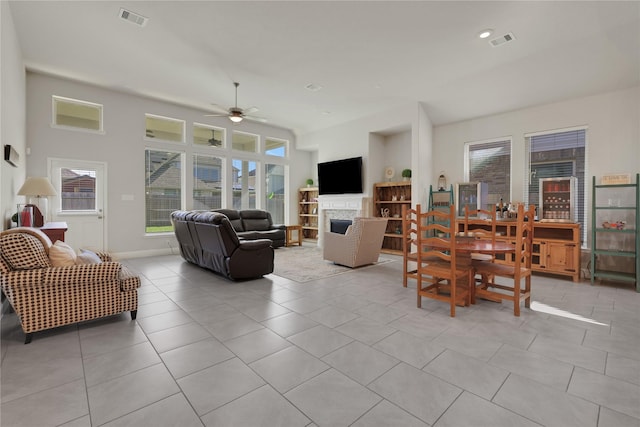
(309, 181)
(406, 173)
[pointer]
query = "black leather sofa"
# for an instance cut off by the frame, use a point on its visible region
(208, 239)
(251, 224)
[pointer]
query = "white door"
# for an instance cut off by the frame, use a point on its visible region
(81, 187)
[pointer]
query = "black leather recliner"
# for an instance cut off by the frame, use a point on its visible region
(208, 239)
(251, 224)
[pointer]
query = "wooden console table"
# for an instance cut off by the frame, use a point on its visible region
(54, 230)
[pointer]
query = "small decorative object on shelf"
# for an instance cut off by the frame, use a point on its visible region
(309, 182)
(389, 172)
(442, 182)
(406, 174)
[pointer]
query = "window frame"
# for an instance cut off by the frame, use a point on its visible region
(285, 144)
(183, 186)
(467, 169)
(183, 137)
(54, 108)
(256, 152)
(213, 128)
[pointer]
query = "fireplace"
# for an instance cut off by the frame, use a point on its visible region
(340, 225)
(341, 207)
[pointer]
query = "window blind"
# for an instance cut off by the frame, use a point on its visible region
(490, 162)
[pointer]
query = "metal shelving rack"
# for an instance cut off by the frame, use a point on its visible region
(624, 242)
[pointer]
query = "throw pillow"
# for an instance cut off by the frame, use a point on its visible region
(87, 257)
(23, 251)
(62, 255)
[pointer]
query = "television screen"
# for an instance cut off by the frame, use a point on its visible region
(340, 176)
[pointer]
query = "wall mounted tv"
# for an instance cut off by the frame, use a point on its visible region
(340, 176)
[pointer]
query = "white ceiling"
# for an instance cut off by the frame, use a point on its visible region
(367, 56)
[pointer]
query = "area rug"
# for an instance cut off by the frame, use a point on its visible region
(304, 264)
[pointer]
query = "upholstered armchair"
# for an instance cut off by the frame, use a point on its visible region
(44, 296)
(360, 245)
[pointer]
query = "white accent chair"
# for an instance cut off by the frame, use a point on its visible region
(360, 245)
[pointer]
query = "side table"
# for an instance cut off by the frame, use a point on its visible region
(54, 230)
(289, 238)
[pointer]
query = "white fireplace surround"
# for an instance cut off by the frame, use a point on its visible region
(347, 206)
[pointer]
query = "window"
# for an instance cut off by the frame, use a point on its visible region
(275, 147)
(164, 128)
(78, 190)
(490, 162)
(77, 114)
(207, 182)
(164, 181)
(208, 135)
(557, 155)
(274, 192)
(244, 142)
(244, 184)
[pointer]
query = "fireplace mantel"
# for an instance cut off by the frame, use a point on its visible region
(340, 206)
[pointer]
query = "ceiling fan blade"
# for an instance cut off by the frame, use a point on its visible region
(256, 118)
(250, 110)
(217, 115)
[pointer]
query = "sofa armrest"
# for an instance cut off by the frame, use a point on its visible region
(278, 227)
(254, 245)
(81, 274)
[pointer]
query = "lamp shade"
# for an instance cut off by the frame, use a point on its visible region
(37, 186)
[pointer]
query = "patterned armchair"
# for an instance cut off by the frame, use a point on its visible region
(360, 245)
(46, 297)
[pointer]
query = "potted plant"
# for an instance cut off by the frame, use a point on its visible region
(309, 182)
(406, 174)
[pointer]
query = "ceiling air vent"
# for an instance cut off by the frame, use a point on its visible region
(133, 17)
(509, 37)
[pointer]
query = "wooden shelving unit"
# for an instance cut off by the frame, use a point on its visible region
(308, 212)
(390, 197)
(615, 249)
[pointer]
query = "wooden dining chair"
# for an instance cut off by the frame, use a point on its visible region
(439, 276)
(409, 244)
(518, 271)
(480, 224)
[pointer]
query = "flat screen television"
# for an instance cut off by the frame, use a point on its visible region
(340, 176)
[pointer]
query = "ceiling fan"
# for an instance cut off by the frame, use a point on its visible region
(237, 114)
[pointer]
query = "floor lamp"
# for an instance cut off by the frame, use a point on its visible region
(38, 189)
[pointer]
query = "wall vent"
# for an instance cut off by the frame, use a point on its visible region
(509, 37)
(133, 17)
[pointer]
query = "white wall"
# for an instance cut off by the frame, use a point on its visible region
(613, 135)
(12, 115)
(366, 137)
(122, 148)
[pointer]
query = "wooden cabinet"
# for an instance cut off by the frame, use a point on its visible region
(388, 199)
(308, 212)
(615, 242)
(556, 246)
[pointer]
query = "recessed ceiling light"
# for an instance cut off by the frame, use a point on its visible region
(485, 33)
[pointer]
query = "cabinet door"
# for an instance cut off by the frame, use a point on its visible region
(560, 256)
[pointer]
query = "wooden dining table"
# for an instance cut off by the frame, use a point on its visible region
(467, 245)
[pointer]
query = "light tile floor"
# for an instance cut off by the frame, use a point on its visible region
(352, 349)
